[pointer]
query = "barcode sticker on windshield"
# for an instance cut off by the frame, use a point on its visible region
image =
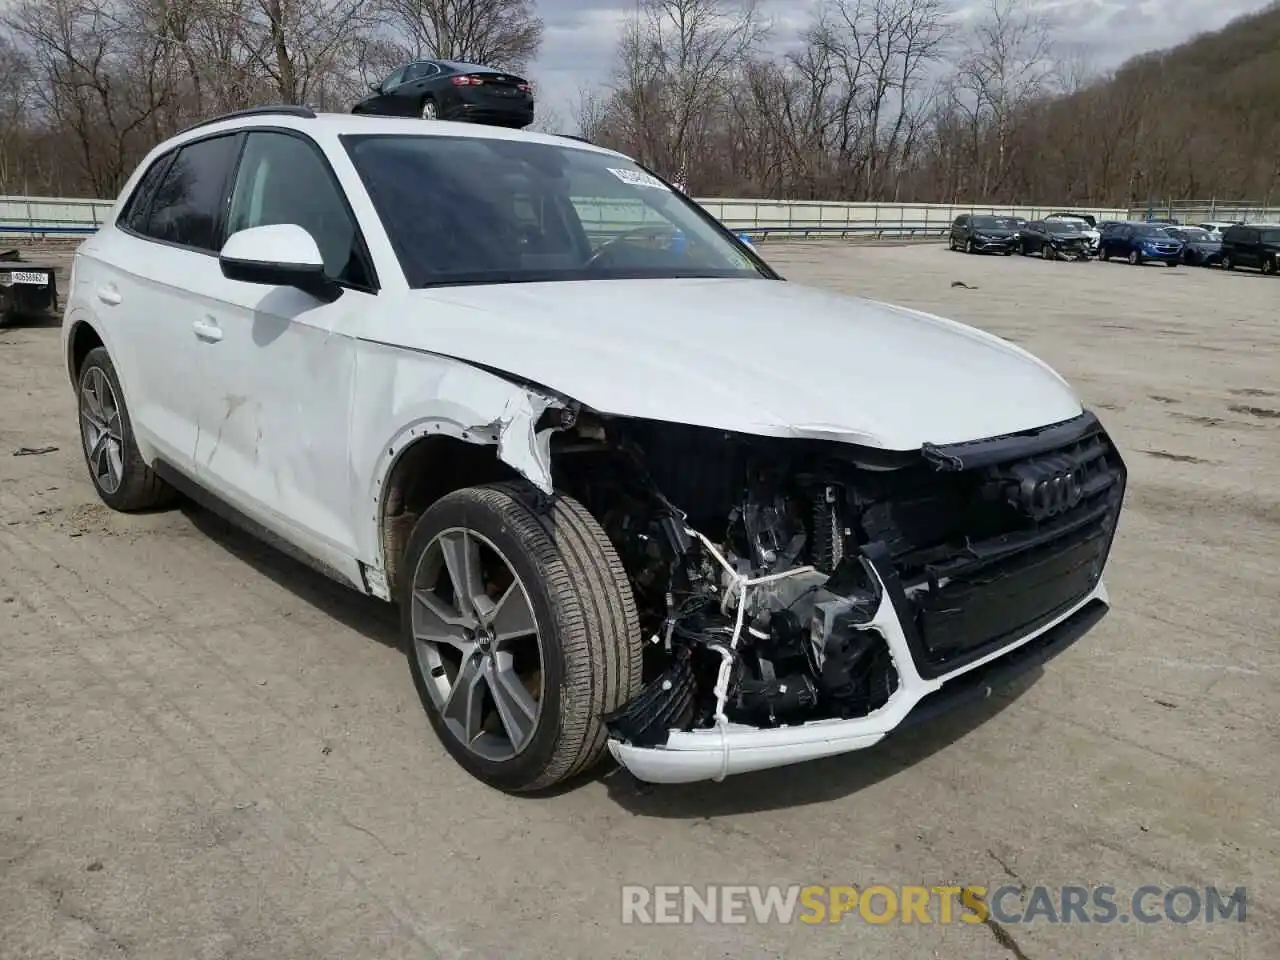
(637, 178)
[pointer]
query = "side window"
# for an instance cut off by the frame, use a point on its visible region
(284, 179)
(960, 221)
(418, 71)
(188, 203)
(134, 215)
(393, 81)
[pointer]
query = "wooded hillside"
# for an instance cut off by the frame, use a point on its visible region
(890, 100)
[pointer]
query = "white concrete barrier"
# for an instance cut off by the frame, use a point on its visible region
(47, 218)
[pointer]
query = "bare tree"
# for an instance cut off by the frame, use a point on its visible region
(1006, 65)
(500, 33)
(678, 61)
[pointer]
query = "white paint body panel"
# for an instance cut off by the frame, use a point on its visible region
(756, 356)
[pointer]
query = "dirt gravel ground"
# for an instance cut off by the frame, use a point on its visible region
(206, 751)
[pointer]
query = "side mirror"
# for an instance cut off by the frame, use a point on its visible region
(278, 255)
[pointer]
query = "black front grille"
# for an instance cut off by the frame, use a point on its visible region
(1002, 537)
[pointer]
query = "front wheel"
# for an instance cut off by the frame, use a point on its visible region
(1135, 258)
(122, 478)
(521, 633)
(1046, 252)
(968, 246)
(1226, 263)
(1269, 266)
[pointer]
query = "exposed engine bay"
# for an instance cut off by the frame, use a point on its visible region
(757, 563)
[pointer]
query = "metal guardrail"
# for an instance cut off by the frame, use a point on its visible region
(59, 217)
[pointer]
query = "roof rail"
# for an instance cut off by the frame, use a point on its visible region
(279, 109)
(571, 136)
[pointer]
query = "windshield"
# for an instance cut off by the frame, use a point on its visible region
(992, 223)
(1191, 233)
(1061, 226)
(1147, 230)
(465, 210)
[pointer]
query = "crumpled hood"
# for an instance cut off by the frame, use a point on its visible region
(757, 356)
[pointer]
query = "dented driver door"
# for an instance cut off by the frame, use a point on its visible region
(279, 365)
(274, 428)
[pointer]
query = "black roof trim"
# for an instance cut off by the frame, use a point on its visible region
(279, 109)
(571, 136)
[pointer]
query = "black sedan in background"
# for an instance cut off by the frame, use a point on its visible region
(1053, 240)
(448, 90)
(1199, 249)
(975, 233)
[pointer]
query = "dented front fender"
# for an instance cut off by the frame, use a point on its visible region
(403, 395)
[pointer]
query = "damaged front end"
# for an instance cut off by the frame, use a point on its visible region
(801, 597)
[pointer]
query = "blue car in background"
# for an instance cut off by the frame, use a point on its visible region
(1140, 242)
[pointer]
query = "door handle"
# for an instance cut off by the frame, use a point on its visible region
(207, 330)
(109, 296)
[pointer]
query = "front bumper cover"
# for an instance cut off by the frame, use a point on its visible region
(713, 754)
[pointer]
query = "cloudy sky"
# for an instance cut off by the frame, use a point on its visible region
(578, 47)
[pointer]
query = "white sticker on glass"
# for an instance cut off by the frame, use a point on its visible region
(637, 178)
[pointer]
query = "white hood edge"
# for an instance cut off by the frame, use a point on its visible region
(763, 357)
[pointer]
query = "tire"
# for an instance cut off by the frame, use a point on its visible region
(1226, 262)
(137, 487)
(968, 246)
(1046, 252)
(1135, 258)
(1269, 266)
(579, 601)
(951, 243)
(430, 111)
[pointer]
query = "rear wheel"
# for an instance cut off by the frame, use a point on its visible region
(122, 478)
(430, 111)
(521, 633)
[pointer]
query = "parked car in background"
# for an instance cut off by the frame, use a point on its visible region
(1199, 247)
(449, 90)
(1140, 242)
(26, 289)
(1255, 245)
(1216, 227)
(1088, 226)
(1066, 215)
(1166, 221)
(977, 233)
(1053, 240)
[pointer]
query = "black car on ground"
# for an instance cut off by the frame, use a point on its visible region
(1053, 240)
(1254, 245)
(449, 90)
(26, 289)
(1140, 242)
(1086, 217)
(1199, 248)
(978, 233)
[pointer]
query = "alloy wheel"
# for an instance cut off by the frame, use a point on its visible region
(100, 430)
(429, 110)
(477, 643)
